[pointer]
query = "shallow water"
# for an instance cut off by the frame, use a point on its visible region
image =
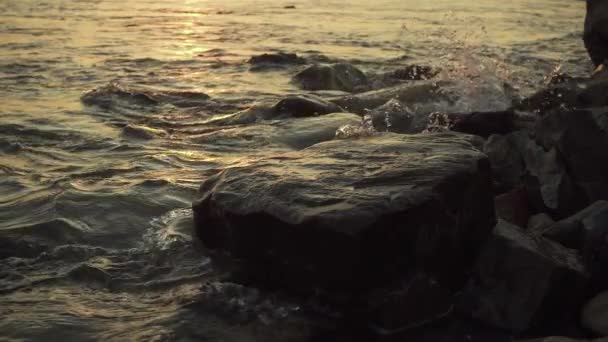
(95, 227)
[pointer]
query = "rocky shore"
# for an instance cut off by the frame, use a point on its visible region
(393, 224)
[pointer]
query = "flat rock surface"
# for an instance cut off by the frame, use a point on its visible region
(348, 213)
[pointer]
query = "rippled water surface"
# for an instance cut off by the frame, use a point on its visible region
(95, 226)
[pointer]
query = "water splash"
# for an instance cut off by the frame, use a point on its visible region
(363, 129)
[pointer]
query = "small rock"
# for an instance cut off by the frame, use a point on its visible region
(413, 73)
(339, 76)
(595, 315)
(274, 60)
(142, 132)
(393, 116)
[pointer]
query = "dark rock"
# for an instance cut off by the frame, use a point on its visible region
(517, 159)
(595, 315)
(339, 76)
(526, 283)
(577, 137)
(274, 60)
(302, 106)
(289, 107)
(393, 116)
(588, 232)
(572, 231)
(571, 93)
(413, 73)
(142, 132)
(349, 215)
(513, 207)
(406, 94)
(483, 123)
(539, 223)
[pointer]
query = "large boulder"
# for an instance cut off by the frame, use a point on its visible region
(349, 215)
(526, 283)
(595, 315)
(339, 76)
(587, 231)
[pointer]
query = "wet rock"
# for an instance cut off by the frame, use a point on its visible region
(328, 216)
(339, 76)
(577, 137)
(393, 116)
(33, 239)
(117, 95)
(525, 283)
(570, 94)
(406, 94)
(539, 223)
(289, 107)
(595, 315)
(142, 132)
(413, 73)
(483, 123)
(274, 60)
(303, 106)
(295, 133)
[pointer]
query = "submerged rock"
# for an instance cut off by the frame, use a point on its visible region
(274, 60)
(350, 214)
(142, 132)
(292, 106)
(526, 283)
(407, 94)
(339, 76)
(296, 133)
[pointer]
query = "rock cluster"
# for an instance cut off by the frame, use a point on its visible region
(495, 231)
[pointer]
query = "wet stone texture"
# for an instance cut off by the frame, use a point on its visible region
(349, 215)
